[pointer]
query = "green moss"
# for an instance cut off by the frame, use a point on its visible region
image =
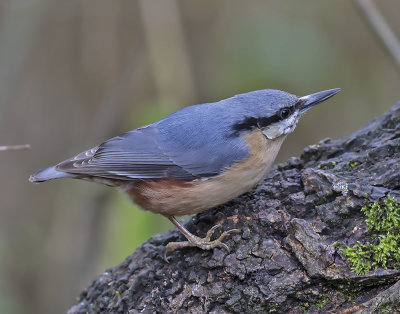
(383, 218)
(327, 166)
(349, 291)
(353, 164)
(320, 304)
(383, 221)
(303, 308)
(384, 308)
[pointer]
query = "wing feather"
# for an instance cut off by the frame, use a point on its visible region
(194, 142)
(133, 155)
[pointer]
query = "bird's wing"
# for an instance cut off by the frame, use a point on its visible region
(132, 155)
(187, 145)
(201, 140)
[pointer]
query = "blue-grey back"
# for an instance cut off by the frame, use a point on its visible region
(202, 138)
(199, 141)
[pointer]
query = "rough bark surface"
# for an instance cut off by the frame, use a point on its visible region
(283, 260)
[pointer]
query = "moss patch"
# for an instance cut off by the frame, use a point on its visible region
(320, 304)
(353, 164)
(383, 221)
(327, 166)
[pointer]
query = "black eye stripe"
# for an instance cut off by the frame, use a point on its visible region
(266, 121)
(250, 123)
(247, 124)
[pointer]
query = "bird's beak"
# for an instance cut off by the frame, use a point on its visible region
(309, 101)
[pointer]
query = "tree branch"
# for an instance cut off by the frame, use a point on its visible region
(284, 260)
(381, 28)
(15, 147)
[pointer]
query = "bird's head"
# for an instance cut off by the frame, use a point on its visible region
(274, 112)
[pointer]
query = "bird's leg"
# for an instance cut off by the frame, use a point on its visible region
(192, 240)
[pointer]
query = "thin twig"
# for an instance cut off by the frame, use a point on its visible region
(15, 147)
(381, 28)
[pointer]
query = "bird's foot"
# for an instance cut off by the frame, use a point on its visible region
(202, 243)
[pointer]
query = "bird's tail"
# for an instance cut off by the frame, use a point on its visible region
(49, 174)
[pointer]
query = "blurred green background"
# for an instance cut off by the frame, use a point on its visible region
(74, 73)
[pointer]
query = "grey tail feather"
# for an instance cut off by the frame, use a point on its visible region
(49, 173)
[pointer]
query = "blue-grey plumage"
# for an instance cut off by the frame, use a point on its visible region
(195, 158)
(202, 140)
(49, 174)
(195, 142)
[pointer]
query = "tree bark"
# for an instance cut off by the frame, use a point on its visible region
(283, 260)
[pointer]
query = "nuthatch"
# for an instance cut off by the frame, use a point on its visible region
(194, 159)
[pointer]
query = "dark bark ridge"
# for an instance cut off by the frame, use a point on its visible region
(283, 260)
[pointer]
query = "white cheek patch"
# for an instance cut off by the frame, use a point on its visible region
(273, 131)
(281, 128)
(290, 124)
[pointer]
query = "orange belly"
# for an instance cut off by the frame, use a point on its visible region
(176, 197)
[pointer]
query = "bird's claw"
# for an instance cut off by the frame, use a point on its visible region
(202, 243)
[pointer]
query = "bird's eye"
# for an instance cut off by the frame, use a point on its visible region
(284, 113)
